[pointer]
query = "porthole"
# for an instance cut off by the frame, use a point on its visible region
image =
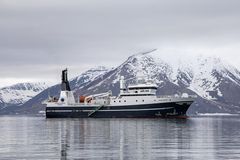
(136, 100)
(124, 100)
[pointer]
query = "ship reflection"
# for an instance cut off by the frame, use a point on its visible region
(65, 136)
(123, 138)
(143, 138)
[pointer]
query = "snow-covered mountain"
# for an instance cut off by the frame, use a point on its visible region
(88, 76)
(216, 83)
(203, 75)
(20, 93)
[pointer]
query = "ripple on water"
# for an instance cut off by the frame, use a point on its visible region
(193, 138)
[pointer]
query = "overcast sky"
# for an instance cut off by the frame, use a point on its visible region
(39, 38)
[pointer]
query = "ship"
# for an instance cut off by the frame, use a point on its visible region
(138, 100)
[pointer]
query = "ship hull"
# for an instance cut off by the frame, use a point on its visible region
(132, 111)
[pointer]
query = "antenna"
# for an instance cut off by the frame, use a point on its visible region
(48, 93)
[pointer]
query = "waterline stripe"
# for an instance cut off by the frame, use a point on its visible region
(147, 109)
(111, 110)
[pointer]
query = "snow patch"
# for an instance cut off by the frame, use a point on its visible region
(20, 93)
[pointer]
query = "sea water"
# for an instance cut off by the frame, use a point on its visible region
(203, 137)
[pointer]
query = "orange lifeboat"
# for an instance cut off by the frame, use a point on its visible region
(82, 99)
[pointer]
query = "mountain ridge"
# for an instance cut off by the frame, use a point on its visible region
(216, 83)
(19, 93)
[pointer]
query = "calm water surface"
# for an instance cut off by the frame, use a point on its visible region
(200, 138)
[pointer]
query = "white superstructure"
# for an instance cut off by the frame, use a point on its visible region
(143, 92)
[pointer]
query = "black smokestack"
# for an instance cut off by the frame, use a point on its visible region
(65, 84)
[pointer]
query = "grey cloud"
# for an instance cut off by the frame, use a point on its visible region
(48, 34)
